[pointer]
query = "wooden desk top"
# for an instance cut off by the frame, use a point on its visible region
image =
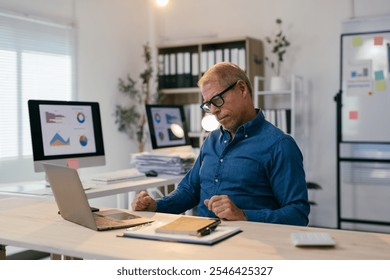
(34, 224)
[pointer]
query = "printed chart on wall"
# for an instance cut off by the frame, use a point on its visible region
(365, 84)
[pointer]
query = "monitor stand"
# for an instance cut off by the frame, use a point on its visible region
(47, 183)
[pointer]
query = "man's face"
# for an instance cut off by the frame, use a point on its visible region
(229, 114)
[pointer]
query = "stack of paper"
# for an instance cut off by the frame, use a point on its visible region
(164, 163)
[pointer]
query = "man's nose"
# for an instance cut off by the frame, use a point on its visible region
(214, 109)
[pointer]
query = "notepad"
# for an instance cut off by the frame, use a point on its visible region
(148, 231)
(190, 225)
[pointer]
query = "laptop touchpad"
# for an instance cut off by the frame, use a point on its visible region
(117, 215)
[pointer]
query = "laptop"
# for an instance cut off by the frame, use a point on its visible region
(73, 203)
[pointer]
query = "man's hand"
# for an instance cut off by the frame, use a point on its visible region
(224, 208)
(144, 202)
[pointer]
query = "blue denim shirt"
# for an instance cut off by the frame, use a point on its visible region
(261, 170)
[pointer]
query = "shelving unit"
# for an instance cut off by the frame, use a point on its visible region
(182, 64)
(283, 100)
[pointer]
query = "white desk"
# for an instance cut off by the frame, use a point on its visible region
(97, 189)
(34, 224)
(124, 188)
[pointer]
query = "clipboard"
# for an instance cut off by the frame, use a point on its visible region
(148, 231)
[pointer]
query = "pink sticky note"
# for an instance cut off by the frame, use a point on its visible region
(73, 163)
(353, 115)
(378, 40)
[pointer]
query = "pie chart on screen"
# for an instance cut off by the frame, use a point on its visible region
(161, 135)
(83, 140)
(80, 117)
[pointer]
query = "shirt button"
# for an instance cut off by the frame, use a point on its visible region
(246, 135)
(224, 141)
(221, 160)
(216, 180)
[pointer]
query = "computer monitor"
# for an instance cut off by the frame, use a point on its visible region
(167, 126)
(67, 133)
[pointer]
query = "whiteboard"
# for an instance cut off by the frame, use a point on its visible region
(365, 85)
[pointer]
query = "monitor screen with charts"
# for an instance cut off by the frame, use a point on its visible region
(67, 133)
(167, 126)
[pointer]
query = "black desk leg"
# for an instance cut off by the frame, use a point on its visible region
(2, 252)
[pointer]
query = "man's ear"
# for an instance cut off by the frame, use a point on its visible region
(240, 85)
(243, 88)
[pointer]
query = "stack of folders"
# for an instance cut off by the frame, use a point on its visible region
(174, 164)
(280, 118)
(180, 68)
(235, 55)
(187, 229)
(193, 115)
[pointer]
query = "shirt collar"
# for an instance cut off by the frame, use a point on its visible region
(252, 124)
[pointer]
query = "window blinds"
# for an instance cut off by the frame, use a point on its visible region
(36, 62)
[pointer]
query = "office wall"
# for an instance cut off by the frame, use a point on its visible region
(111, 35)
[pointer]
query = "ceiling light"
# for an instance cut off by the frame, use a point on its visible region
(162, 3)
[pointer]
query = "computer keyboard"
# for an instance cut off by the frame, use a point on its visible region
(119, 175)
(304, 238)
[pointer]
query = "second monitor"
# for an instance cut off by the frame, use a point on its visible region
(167, 126)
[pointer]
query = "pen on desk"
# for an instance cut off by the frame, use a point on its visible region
(204, 231)
(207, 230)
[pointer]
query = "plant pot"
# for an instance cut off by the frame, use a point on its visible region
(278, 84)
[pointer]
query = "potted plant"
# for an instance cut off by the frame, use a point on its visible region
(279, 45)
(131, 119)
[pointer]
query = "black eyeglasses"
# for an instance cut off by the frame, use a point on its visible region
(217, 99)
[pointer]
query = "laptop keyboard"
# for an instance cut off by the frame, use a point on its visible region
(104, 222)
(122, 216)
(113, 219)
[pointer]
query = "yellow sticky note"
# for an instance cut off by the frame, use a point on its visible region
(380, 85)
(357, 41)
